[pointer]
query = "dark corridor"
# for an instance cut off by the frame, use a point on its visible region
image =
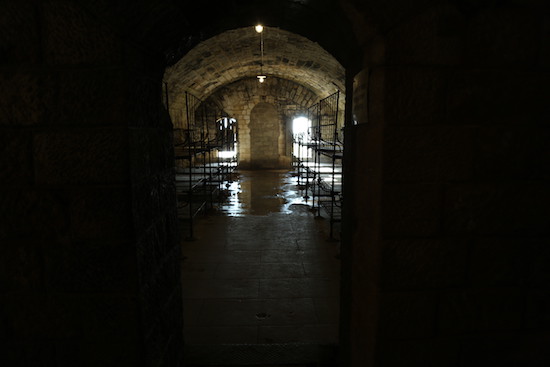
(445, 219)
(261, 273)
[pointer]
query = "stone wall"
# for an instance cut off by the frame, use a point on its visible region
(290, 100)
(264, 132)
(88, 255)
(233, 55)
(448, 228)
(447, 212)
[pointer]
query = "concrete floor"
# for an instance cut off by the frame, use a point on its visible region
(261, 269)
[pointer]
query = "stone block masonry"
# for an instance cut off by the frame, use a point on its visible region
(240, 98)
(455, 209)
(89, 257)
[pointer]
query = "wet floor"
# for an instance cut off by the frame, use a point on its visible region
(261, 269)
(262, 193)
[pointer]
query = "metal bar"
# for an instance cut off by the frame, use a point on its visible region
(333, 198)
(190, 141)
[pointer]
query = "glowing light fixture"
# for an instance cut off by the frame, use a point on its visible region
(261, 77)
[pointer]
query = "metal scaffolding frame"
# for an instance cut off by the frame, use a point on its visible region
(201, 171)
(321, 175)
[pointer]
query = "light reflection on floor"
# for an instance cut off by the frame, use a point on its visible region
(254, 192)
(261, 270)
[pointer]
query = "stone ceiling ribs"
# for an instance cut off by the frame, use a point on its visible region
(234, 55)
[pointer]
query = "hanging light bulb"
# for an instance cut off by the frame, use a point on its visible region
(261, 78)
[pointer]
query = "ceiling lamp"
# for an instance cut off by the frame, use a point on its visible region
(261, 77)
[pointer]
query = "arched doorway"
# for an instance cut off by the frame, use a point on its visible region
(264, 136)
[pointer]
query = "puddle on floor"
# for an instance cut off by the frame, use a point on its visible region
(263, 193)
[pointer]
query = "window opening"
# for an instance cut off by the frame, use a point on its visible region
(300, 131)
(227, 129)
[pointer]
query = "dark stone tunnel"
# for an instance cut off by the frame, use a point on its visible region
(446, 212)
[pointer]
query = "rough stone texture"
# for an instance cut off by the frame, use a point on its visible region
(81, 157)
(16, 156)
(423, 264)
(264, 130)
(512, 267)
(18, 25)
(239, 98)
(360, 97)
(407, 315)
(497, 209)
(505, 36)
(286, 55)
(537, 316)
(504, 350)
(504, 153)
(155, 222)
(363, 226)
(411, 209)
(74, 37)
(475, 310)
(420, 353)
(100, 214)
(495, 97)
(288, 95)
(538, 273)
(457, 117)
(432, 37)
(466, 72)
(45, 209)
(294, 81)
(58, 316)
(81, 91)
(432, 352)
(26, 97)
(80, 127)
(21, 267)
(429, 154)
(412, 95)
(92, 266)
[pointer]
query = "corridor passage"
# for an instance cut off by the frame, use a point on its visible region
(261, 269)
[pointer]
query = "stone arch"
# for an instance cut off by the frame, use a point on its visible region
(239, 98)
(265, 137)
(233, 55)
(441, 58)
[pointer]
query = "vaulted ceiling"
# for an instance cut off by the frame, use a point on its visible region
(235, 55)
